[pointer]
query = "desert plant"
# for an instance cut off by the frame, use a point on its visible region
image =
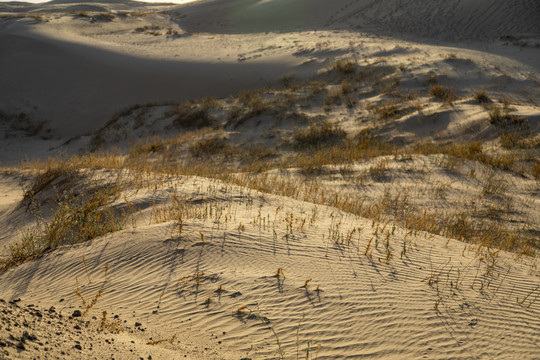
(502, 117)
(192, 116)
(498, 116)
(344, 67)
(319, 134)
(445, 94)
(77, 218)
(481, 96)
(208, 147)
(385, 110)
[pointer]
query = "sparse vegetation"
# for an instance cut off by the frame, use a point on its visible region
(445, 94)
(297, 171)
(481, 97)
(319, 134)
(76, 217)
(344, 67)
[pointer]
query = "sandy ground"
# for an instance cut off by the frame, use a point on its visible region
(246, 274)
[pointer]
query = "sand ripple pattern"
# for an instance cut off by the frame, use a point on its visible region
(434, 299)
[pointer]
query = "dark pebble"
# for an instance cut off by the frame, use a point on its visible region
(77, 313)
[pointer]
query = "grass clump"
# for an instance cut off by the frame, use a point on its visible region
(445, 94)
(344, 67)
(481, 96)
(209, 147)
(386, 110)
(501, 116)
(319, 134)
(192, 116)
(76, 216)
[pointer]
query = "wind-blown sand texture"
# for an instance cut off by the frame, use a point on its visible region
(270, 179)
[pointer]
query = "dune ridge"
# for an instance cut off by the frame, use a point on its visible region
(270, 179)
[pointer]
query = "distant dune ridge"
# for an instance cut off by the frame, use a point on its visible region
(64, 77)
(438, 19)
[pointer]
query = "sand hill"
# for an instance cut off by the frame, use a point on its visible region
(270, 179)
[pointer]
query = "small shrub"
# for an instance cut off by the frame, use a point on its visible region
(536, 170)
(319, 134)
(346, 87)
(207, 147)
(77, 218)
(192, 116)
(501, 117)
(442, 93)
(433, 80)
(497, 116)
(493, 186)
(386, 110)
(44, 180)
(509, 140)
(333, 98)
(344, 67)
(481, 97)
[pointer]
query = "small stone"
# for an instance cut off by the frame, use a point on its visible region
(77, 313)
(137, 324)
(78, 347)
(20, 346)
(52, 309)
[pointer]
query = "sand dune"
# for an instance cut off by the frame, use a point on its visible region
(444, 20)
(353, 305)
(271, 179)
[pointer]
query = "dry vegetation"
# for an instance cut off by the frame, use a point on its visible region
(319, 148)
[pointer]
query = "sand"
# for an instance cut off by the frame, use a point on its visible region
(249, 274)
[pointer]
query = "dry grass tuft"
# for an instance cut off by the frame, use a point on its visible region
(76, 216)
(445, 94)
(210, 147)
(192, 116)
(344, 67)
(481, 96)
(318, 135)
